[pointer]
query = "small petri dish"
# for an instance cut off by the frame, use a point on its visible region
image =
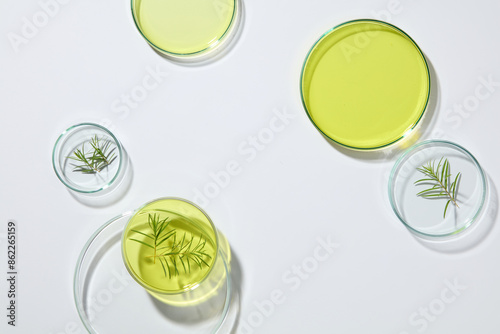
(182, 29)
(185, 267)
(85, 175)
(365, 84)
(108, 300)
(426, 216)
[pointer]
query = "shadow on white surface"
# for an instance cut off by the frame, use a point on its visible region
(233, 317)
(112, 194)
(473, 235)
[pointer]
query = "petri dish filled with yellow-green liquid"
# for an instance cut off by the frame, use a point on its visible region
(187, 29)
(365, 84)
(109, 300)
(171, 248)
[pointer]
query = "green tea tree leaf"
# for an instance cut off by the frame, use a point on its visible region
(173, 254)
(158, 233)
(183, 253)
(100, 155)
(438, 180)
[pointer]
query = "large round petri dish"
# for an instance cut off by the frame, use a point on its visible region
(365, 84)
(182, 29)
(108, 300)
(426, 216)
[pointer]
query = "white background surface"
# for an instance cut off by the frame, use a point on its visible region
(297, 189)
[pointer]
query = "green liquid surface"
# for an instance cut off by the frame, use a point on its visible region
(183, 26)
(188, 223)
(365, 84)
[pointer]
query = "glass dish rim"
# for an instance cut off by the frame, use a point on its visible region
(229, 28)
(64, 134)
(218, 253)
(407, 153)
(83, 253)
(408, 131)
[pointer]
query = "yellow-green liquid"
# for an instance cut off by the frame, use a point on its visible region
(139, 258)
(183, 26)
(365, 84)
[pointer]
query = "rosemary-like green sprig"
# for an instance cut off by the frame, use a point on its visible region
(439, 179)
(181, 252)
(94, 161)
(158, 233)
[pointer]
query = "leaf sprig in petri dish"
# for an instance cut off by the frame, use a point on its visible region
(101, 155)
(438, 178)
(177, 255)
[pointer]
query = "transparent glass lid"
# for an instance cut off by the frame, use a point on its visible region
(365, 84)
(448, 208)
(108, 300)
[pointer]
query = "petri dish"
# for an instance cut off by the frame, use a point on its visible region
(425, 216)
(80, 137)
(108, 300)
(365, 84)
(183, 29)
(185, 268)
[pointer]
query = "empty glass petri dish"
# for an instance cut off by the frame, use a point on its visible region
(88, 158)
(365, 84)
(426, 216)
(108, 299)
(187, 30)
